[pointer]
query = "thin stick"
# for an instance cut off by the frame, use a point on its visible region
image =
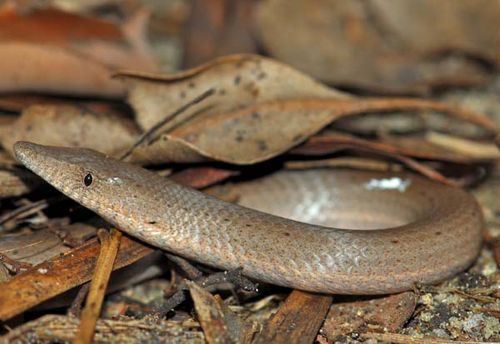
(148, 135)
(104, 266)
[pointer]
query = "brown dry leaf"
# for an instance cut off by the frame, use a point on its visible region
(50, 51)
(121, 45)
(71, 126)
(444, 25)
(38, 246)
(28, 67)
(264, 130)
(134, 54)
(369, 43)
(239, 80)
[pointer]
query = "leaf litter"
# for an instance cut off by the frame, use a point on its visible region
(242, 115)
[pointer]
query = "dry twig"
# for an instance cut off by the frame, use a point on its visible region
(104, 266)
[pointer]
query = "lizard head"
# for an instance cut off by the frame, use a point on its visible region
(87, 176)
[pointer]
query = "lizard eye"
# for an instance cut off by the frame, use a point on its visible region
(87, 180)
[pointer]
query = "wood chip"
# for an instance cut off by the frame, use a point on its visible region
(387, 312)
(297, 320)
(209, 314)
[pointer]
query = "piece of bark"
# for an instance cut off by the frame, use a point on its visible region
(209, 314)
(388, 312)
(297, 320)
